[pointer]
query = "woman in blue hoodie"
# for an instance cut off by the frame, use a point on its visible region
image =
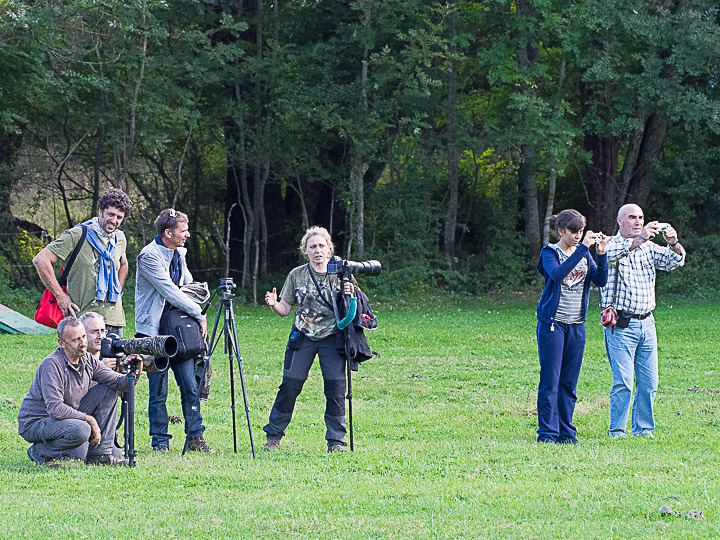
(568, 269)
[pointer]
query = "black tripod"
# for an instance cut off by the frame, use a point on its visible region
(127, 413)
(225, 308)
(350, 352)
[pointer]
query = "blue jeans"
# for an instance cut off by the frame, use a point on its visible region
(560, 349)
(633, 350)
(157, 410)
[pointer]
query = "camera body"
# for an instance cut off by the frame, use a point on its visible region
(336, 265)
(662, 226)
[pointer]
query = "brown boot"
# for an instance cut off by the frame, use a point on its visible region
(198, 444)
(272, 444)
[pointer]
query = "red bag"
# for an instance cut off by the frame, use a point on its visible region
(48, 312)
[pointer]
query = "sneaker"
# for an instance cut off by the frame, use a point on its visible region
(37, 460)
(162, 448)
(335, 448)
(198, 444)
(106, 459)
(272, 444)
(647, 434)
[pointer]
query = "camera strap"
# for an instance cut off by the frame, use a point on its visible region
(322, 298)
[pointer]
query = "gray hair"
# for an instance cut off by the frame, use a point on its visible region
(91, 315)
(67, 322)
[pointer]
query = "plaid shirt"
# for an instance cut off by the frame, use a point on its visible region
(636, 277)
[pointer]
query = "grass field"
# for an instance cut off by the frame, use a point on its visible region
(444, 433)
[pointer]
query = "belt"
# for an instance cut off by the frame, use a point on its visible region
(641, 316)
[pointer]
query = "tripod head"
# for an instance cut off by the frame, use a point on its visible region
(227, 286)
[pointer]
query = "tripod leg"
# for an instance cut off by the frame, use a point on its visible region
(229, 349)
(123, 422)
(130, 419)
(233, 342)
(349, 398)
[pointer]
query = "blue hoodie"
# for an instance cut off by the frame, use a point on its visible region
(553, 272)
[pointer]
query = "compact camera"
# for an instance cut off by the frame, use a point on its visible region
(662, 226)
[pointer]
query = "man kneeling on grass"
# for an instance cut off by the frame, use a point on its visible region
(59, 414)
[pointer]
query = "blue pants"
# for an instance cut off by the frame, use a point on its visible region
(633, 350)
(295, 373)
(157, 410)
(560, 348)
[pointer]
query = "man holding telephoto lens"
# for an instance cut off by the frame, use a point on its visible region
(161, 271)
(632, 343)
(59, 414)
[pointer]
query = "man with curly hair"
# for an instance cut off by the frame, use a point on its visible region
(97, 277)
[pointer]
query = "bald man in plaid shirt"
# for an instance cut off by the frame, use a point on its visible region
(633, 350)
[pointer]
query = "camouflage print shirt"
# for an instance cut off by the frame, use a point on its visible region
(312, 317)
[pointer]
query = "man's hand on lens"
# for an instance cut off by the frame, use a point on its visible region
(110, 362)
(136, 360)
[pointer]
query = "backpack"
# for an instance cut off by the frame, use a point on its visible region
(355, 344)
(186, 330)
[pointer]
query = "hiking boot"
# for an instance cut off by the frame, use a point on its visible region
(198, 444)
(37, 460)
(272, 444)
(162, 448)
(335, 448)
(106, 459)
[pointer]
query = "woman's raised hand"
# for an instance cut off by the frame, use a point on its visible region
(271, 297)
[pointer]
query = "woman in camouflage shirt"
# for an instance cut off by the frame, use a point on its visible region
(314, 333)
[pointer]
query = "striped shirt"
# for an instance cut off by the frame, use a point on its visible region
(570, 307)
(636, 276)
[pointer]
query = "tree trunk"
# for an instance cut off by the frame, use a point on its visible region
(358, 165)
(527, 174)
(453, 159)
(643, 173)
(528, 53)
(602, 188)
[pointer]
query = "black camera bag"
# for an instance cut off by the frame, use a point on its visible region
(186, 330)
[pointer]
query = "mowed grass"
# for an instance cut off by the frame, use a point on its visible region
(444, 443)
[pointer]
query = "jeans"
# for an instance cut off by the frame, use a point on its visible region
(53, 439)
(633, 350)
(560, 349)
(295, 373)
(157, 410)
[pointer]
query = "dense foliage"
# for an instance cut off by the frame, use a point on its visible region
(434, 136)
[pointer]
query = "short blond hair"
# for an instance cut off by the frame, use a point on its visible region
(319, 231)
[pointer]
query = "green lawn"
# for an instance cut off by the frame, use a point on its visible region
(444, 431)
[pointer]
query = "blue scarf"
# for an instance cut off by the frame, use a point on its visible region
(108, 282)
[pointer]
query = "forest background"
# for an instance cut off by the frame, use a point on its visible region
(433, 136)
